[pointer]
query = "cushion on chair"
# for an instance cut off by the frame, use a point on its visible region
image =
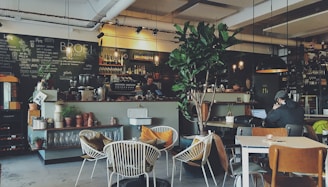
(195, 140)
(148, 134)
(97, 142)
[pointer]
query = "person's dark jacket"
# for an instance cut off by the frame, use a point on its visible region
(289, 113)
(147, 87)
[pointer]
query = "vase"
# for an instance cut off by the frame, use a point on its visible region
(33, 106)
(38, 144)
(230, 119)
(78, 121)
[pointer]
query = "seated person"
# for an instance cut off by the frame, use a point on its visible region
(149, 86)
(284, 111)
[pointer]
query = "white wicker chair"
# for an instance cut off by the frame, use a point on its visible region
(168, 147)
(200, 149)
(89, 153)
(128, 158)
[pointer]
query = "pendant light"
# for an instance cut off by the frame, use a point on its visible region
(155, 31)
(272, 64)
(68, 46)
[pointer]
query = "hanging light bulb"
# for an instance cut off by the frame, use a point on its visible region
(115, 53)
(156, 60)
(69, 51)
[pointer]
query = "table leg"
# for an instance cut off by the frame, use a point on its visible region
(245, 166)
(326, 171)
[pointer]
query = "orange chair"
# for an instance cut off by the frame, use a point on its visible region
(259, 131)
(288, 160)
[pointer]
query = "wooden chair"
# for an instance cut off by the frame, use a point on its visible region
(288, 159)
(311, 133)
(259, 131)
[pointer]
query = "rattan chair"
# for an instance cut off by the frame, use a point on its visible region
(167, 148)
(128, 158)
(200, 149)
(287, 159)
(89, 153)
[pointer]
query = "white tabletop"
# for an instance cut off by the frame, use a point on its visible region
(290, 141)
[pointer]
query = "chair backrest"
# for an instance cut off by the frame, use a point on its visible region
(248, 120)
(86, 146)
(244, 131)
(131, 158)
(304, 160)
(200, 149)
(224, 160)
(311, 133)
(208, 145)
(259, 131)
(294, 129)
(166, 128)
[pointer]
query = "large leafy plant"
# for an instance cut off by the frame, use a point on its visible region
(198, 60)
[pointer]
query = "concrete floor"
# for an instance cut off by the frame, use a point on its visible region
(28, 171)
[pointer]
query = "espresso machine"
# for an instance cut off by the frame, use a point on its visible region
(85, 89)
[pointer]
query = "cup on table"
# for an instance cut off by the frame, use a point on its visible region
(269, 136)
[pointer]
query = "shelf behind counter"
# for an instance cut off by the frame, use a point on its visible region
(63, 144)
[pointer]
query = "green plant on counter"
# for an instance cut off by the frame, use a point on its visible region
(229, 112)
(199, 61)
(70, 111)
(43, 71)
(30, 99)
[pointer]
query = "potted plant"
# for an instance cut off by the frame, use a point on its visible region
(198, 61)
(69, 112)
(229, 117)
(38, 142)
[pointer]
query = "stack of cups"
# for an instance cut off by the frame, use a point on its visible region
(58, 117)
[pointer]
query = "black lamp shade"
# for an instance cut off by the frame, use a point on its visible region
(273, 64)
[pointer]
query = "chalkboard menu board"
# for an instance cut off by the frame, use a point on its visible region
(23, 55)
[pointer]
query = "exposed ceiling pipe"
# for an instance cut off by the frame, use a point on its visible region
(111, 13)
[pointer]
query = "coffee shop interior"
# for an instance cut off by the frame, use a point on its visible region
(91, 58)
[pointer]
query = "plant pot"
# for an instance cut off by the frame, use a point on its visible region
(68, 121)
(38, 144)
(78, 119)
(33, 106)
(230, 119)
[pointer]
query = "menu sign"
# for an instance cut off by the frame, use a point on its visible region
(24, 55)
